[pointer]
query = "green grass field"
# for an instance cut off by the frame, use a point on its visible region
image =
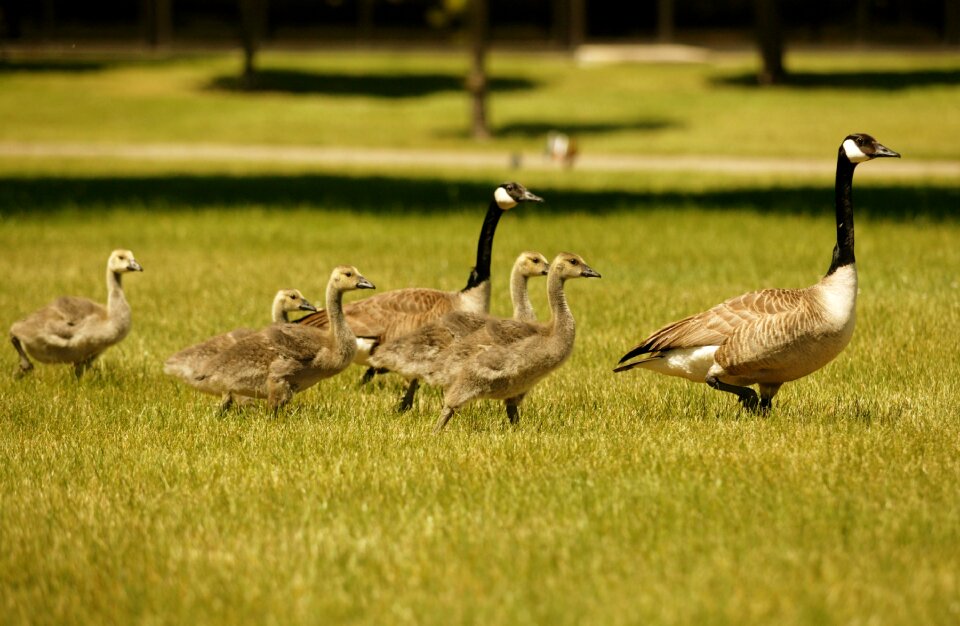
(619, 499)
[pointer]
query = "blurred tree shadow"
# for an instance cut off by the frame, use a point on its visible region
(868, 80)
(45, 195)
(51, 66)
(373, 85)
(539, 129)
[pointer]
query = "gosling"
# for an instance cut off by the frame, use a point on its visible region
(77, 330)
(279, 361)
(187, 363)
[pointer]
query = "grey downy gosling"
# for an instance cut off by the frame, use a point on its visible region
(77, 330)
(187, 363)
(281, 360)
(415, 355)
(505, 358)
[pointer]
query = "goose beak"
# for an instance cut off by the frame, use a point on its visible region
(882, 151)
(306, 306)
(530, 197)
(363, 283)
(134, 267)
(589, 272)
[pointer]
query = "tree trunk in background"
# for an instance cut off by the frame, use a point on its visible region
(156, 21)
(770, 39)
(863, 20)
(365, 19)
(665, 32)
(578, 23)
(477, 80)
(48, 19)
(253, 22)
(951, 22)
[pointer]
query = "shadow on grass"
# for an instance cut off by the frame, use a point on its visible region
(39, 196)
(373, 85)
(51, 67)
(539, 129)
(868, 80)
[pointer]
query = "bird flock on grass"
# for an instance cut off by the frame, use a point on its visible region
(450, 340)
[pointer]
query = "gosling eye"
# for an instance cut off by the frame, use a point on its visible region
(574, 262)
(293, 297)
(348, 274)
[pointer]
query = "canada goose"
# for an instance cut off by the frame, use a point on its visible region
(393, 314)
(187, 363)
(76, 330)
(280, 360)
(505, 358)
(415, 354)
(773, 336)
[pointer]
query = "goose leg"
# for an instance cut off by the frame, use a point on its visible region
(279, 392)
(407, 401)
(82, 366)
(225, 403)
(748, 397)
(445, 416)
(370, 373)
(513, 408)
(766, 396)
(25, 364)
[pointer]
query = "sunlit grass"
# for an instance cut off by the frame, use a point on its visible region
(619, 498)
(416, 101)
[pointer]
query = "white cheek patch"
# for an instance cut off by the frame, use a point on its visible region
(504, 201)
(854, 153)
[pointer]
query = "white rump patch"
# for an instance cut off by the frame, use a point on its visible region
(504, 200)
(690, 363)
(364, 346)
(854, 153)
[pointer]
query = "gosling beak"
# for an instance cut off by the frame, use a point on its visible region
(883, 151)
(306, 306)
(133, 266)
(363, 283)
(589, 272)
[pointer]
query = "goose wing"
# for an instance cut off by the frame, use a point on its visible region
(66, 316)
(714, 326)
(391, 314)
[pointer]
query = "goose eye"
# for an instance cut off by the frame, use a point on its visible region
(574, 262)
(348, 274)
(292, 297)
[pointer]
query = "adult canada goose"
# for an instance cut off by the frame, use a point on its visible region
(505, 358)
(384, 317)
(76, 330)
(278, 361)
(773, 336)
(414, 355)
(189, 362)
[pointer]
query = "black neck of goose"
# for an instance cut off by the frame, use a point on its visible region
(843, 251)
(481, 270)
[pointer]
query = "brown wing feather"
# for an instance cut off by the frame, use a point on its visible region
(715, 325)
(391, 314)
